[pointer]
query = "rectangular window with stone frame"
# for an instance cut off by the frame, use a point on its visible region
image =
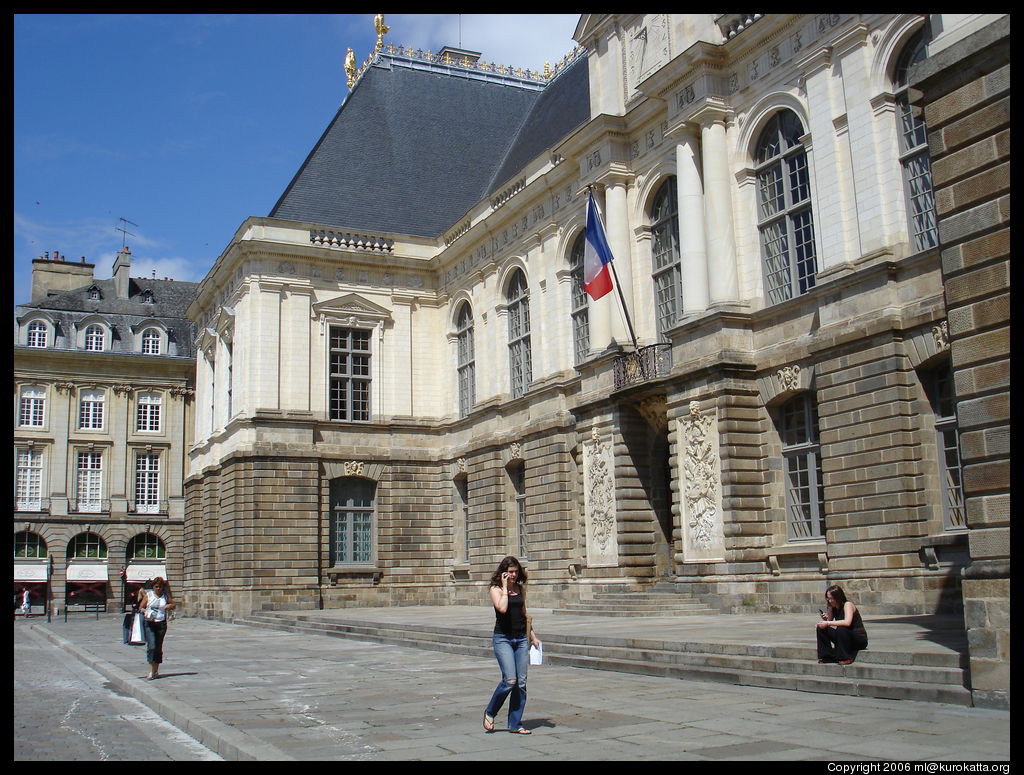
(349, 374)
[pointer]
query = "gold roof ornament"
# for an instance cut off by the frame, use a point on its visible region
(350, 68)
(381, 27)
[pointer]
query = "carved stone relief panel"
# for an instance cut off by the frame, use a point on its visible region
(700, 481)
(599, 503)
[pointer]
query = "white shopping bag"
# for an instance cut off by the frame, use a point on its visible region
(136, 638)
(537, 654)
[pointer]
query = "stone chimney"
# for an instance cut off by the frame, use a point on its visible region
(122, 270)
(57, 275)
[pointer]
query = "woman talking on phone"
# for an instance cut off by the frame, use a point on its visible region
(513, 634)
(153, 605)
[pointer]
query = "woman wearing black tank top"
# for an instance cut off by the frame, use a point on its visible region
(841, 633)
(512, 637)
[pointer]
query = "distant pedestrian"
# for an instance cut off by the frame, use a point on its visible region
(513, 634)
(841, 632)
(154, 604)
(26, 601)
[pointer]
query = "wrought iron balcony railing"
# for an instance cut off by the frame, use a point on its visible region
(645, 364)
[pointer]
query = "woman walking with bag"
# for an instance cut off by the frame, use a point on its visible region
(154, 604)
(513, 634)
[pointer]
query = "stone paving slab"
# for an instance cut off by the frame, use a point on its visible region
(262, 694)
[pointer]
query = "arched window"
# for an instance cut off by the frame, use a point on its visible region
(32, 407)
(29, 545)
(94, 338)
(151, 342)
(580, 307)
(37, 334)
(914, 159)
(146, 546)
(351, 528)
(801, 452)
(520, 356)
(90, 410)
(466, 359)
(666, 259)
(784, 214)
(87, 546)
(147, 412)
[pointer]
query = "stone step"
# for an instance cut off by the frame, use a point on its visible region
(893, 675)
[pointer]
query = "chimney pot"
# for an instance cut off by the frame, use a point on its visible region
(56, 256)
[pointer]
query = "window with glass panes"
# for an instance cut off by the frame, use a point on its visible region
(579, 303)
(517, 474)
(32, 407)
(466, 366)
(146, 546)
(89, 488)
(351, 526)
(785, 221)
(667, 261)
(28, 493)
(37, 334)
(90, 409)
(462, 504)
(94, 338)
(29, 545)
(151, 342)
(349, 397)
(87, 546)
(938, 384)
(914, 159)
(147, 482)
(801, 452)
(147, 412)
(520, 355)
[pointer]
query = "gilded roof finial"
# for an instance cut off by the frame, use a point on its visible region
(381, 27)
(350, 68)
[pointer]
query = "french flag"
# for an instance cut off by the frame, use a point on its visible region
(597, 278)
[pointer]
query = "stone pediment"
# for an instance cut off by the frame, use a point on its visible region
(351, 308)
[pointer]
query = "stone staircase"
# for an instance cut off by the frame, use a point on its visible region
(928, 677)
(636, 604)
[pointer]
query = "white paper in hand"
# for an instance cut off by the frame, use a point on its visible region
(537, 654)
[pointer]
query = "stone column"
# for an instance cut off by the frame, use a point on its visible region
(721, 246)
(692, 242)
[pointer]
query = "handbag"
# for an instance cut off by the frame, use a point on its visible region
(137, 638)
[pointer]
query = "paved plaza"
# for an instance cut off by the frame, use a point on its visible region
(260, 694)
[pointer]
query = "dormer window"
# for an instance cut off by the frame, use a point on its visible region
(37, 332)
(94, 338)
(147, 297)
(151, 342)
(93, 294)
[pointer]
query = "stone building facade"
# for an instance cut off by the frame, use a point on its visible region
(965, 94)
(400, 379)
(103, 381)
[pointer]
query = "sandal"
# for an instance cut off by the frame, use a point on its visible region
(523, 731)
(488, 723)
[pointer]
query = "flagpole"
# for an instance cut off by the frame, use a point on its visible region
(615, 275)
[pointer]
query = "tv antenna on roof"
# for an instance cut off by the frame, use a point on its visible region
(124, 232)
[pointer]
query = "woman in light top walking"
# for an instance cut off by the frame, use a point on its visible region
(513, 634)
(154, 604)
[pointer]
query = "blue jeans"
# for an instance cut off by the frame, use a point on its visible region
(154, 633)
(513, 656)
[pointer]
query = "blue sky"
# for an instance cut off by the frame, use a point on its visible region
(186, 125)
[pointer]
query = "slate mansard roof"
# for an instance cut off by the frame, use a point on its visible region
(412, 150)
(170, 300)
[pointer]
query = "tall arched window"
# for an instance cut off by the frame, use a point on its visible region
(801, 452)
(520, 356)
(667, 262)
(914, 159)
(37, 334)
(94, 336)
(580, 307)
(351, 526)
(784, 214)
(466, 365)
(151, 342)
